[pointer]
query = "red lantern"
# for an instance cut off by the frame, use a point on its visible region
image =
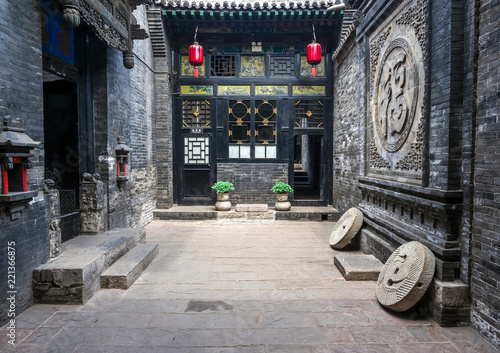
(196, 55)
(314, 54)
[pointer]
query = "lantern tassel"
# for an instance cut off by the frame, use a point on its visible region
(196, 73)
(313, 72)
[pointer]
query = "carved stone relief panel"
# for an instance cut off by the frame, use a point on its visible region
(397, 77)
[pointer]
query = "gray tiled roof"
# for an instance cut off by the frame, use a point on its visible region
(247, 5)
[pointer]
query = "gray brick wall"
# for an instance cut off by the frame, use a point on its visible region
(21, 100)
(468, 133)
(163, 114)
(486, 226)
(130, 114)
(348, 128)
(446, 94)
(252, 181)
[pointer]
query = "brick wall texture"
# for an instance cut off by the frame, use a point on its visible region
(486, 226)
(252, 181)
(130, 113)
(21, 101)
(463, 140)
(348, 129)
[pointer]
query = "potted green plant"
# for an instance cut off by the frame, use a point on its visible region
(222, 188)
(282, 190)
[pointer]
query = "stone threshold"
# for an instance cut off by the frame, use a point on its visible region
(244, 213)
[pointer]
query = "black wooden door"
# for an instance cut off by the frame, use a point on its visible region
(194, 152)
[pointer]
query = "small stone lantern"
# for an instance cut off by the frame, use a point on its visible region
(122, 159)
(15, 148)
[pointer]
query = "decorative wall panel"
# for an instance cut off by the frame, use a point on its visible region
(397, 77)
(253, 66)
(197, 90)
(234, 90)
(308, 90)
(187, 70)
(305, 68)
(271, 90)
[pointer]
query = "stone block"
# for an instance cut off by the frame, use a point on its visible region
(231, 215)
(260, 215)
(358, 267)
(251, 208)
(448, 302)
(123, 273)
(449, 294)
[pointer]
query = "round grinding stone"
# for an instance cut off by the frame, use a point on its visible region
(406, 276)
(346, 228)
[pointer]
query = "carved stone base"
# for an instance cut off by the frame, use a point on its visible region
(448, 302)
(54, 223)
(93, 216)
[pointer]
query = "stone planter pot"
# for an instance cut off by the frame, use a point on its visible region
(282, 203)
(223, 203)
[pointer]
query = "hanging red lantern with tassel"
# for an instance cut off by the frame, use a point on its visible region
(314, 54)
(196, 54)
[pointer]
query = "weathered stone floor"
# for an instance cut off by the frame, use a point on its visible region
(237, 287)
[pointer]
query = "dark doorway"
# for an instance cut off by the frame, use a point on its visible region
(61, 148)
(307, 167)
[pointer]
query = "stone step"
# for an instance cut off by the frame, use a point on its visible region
(251, 207)
(123, 273)
(300, 178)
(186, 213)
(358, 267)
(299, 213)
(74, 276)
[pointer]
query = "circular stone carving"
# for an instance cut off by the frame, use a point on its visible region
(396, 95)
(346, 228)
(406, 276)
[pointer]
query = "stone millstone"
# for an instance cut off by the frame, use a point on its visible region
(406, 276)
(346, 228)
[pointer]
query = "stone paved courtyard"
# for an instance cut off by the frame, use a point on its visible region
(254, 287)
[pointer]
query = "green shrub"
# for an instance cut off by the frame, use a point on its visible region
(282, 188)
(222, 187)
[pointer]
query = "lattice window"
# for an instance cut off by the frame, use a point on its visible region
(196, 113)
(282, 65)
(309, 113)
(239, 128)
(223, 65)
(265, 128)
(196, 150)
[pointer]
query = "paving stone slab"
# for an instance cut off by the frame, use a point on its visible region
(73, 276)
(123, 273)
(358, 267)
